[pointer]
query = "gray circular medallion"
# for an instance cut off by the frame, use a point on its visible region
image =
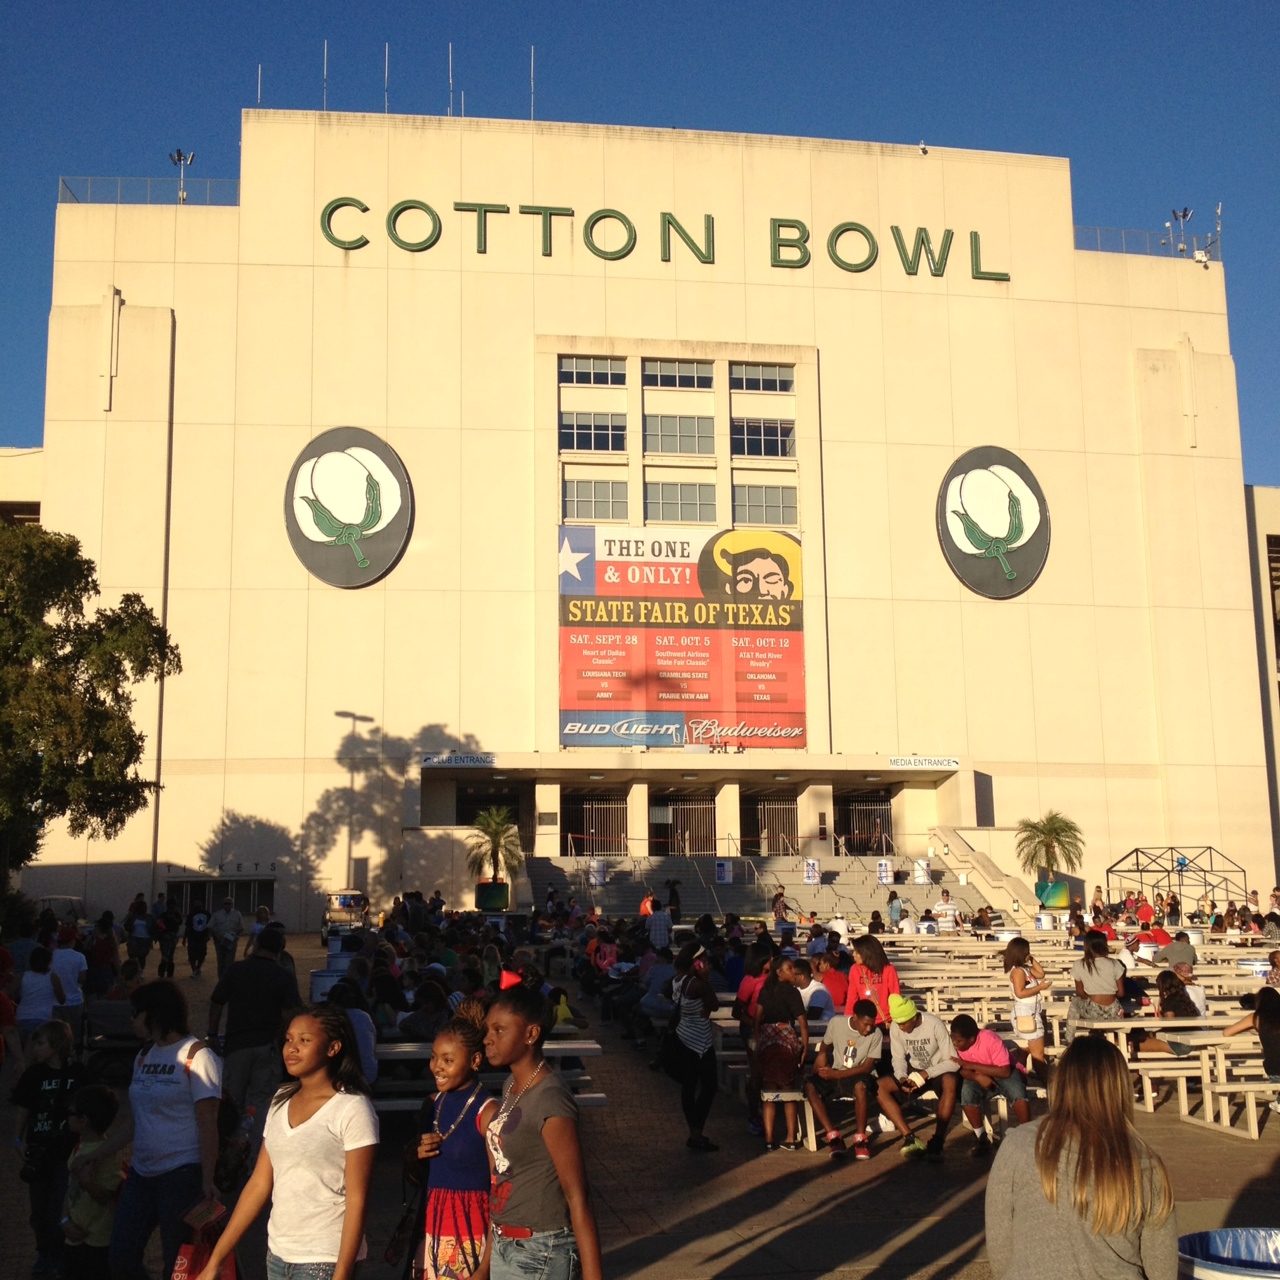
(993, 522)
(348, 507)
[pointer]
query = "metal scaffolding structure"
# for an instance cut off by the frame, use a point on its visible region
(1189, 872)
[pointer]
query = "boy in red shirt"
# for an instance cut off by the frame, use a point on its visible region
(824, 969)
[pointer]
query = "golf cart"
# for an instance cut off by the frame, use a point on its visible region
(344, 913)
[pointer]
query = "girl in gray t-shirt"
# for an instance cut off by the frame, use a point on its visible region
(542, 1218)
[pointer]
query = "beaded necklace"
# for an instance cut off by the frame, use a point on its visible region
(435, 1122)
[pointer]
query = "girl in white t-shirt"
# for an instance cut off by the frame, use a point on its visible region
(317, 1156)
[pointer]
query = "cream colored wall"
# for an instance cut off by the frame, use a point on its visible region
(21, 475)
(1121, 688)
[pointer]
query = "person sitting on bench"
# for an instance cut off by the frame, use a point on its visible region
(985, 1070)
(846, 1062)
(924, 1060)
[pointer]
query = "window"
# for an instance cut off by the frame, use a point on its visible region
(762, 438)
(601, 432)
(595, 499)
(665, 433)
(593, 371)
(686, 503)
(764, 504)
(759, 377)
(676, 373)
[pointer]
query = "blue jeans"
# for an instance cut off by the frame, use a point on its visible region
(146, 1203)
(548, 1255)
(278, 1269)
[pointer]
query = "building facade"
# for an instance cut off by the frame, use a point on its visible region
(682, 492)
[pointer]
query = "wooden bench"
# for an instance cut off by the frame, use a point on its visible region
(1222, 1094)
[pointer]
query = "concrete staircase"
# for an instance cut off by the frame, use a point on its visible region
(848, 886)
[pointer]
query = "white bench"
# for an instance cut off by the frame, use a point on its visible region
(1222, 1093)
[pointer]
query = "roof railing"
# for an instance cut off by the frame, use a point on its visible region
(202, 191)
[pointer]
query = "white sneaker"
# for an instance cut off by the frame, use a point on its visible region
(1275, 1106)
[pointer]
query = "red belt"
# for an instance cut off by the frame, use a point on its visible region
(512, 1233)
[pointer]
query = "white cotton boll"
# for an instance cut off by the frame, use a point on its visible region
(338, 481)
(984, 497)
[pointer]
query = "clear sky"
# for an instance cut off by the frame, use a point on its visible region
(1157, 105)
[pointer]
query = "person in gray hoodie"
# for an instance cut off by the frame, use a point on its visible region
(924, 1060)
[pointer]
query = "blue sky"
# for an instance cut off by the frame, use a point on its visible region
(1156, 105)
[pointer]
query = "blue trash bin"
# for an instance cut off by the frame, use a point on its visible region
(1234, 1251)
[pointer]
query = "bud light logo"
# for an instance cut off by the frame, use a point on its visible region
(655, 729)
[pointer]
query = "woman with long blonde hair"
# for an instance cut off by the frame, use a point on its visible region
(1079, 1186)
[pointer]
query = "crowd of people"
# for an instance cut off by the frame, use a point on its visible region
(273, 1102)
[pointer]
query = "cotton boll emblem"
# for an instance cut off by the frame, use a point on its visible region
(344, 496)
(993, 524)
(990, 512)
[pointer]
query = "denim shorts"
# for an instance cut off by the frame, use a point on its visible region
(1013, 1086)
(546, 1255)
(278, 1269)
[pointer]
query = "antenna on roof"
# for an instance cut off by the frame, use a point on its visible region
(531, 82)
(451, 77)
(386, 76)
(324, 99)
(259, 84)
(464, 104)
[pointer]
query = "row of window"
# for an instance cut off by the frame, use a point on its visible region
(676, 502)
(677, 433)
(605, 371)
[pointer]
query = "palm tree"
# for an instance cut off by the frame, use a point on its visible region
(495, 845)
(1054, 843)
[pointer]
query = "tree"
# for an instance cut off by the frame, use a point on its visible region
(495, 844)
(68, 745)
(1054, 842)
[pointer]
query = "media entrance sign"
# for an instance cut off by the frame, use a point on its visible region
(672, 637)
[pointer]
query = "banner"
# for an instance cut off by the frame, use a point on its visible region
(671, 637)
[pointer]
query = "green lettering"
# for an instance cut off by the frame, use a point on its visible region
(412, 246)
(777, 242)
(912, 264)
(546, 212)
(667, 223)
(326, 220)
(482, 212)
(588, 234)
(975, 258)
(833, 247)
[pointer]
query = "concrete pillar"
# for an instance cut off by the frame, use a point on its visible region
(728, 820)
(814, 815)
(546, 838)
(915, 813)
(638, 818)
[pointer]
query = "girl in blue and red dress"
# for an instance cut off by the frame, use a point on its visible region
(457, 1202)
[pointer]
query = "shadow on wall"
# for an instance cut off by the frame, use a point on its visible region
(244, 847)
(378, 802)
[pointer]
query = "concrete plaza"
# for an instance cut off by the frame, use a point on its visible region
(666, 1213)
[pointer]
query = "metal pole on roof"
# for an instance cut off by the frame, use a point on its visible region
(324, 98)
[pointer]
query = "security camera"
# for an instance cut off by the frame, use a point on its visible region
(924, 151)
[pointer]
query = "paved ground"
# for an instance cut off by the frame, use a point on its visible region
(666, 1213)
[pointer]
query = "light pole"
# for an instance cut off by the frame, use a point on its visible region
(355, 719)
(184, 162)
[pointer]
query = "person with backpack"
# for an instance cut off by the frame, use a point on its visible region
(172, 1122)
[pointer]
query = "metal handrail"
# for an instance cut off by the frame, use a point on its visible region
(1150, 244)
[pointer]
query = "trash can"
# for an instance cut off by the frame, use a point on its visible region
(923, 871)
(1046, 920)
(597, 873)
(884, 871)
(1233, 1251)
(322, 980)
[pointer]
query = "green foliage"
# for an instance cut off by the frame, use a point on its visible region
(1054, 843)
(495, 846)
(68, 745)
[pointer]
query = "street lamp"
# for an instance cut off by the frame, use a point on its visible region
(184, 162)
(355, 719)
